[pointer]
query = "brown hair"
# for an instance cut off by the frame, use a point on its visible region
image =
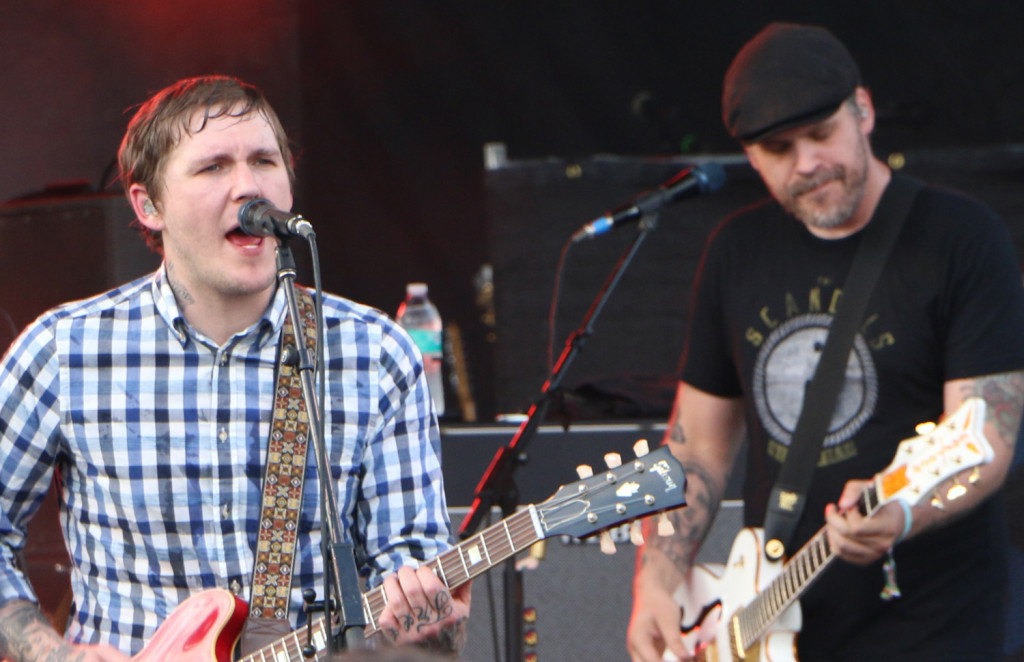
(158, 125)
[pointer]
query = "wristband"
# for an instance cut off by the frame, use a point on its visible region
(908, 519)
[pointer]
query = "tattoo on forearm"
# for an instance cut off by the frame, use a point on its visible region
(26, 634)
(676, 433)
(1004, 395)
(703, 496)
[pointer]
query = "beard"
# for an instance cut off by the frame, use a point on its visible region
(810, 208)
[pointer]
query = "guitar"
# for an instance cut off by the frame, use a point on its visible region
(748, 609)
(206, 626)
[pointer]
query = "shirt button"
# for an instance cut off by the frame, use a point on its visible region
(225, 511)
(224, 359)
(222, 434)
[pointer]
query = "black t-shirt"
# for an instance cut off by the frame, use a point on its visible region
(949, 304)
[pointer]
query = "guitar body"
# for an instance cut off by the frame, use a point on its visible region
(714, 593)
(203, 628)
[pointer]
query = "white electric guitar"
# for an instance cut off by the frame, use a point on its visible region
(748, 609)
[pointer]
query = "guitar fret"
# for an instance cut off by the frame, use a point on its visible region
(368, 611)
(450, 569)
(439, 571)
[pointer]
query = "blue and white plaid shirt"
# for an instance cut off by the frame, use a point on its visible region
(159, 437)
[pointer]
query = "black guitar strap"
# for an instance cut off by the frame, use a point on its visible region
(789, 495)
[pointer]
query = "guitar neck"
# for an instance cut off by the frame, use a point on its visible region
(472, 557)
(754, 620)
(455, 567)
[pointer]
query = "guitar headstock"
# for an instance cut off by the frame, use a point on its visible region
(649, 484)
(944, 450)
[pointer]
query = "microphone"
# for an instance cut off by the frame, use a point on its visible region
(692, 181)
(259, 218)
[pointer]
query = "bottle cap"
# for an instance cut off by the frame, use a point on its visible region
(416, 290)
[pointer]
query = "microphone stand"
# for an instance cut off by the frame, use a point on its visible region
(341, 580)
(498, 487)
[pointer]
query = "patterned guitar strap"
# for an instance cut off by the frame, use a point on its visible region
(282, 493)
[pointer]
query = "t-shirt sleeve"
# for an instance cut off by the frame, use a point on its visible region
(708, 363)
(985, 303)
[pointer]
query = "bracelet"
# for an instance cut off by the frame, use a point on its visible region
(908, 519)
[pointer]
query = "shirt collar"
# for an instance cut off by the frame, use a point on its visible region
(266, 328)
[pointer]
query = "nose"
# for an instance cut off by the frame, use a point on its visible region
(246, 184)
(808, 156)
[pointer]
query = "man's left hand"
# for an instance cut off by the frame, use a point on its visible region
(422, 610)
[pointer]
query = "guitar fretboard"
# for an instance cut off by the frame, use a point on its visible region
(807, 564)
(473, 557)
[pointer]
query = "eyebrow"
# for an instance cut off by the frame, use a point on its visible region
(261, 152)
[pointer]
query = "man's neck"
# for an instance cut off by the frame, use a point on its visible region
(220, 318)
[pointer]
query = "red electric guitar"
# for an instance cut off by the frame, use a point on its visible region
(748, 609)
(206, 627)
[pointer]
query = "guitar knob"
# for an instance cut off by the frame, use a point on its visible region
(641, 448)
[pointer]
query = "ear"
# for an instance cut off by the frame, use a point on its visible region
(752, 157)
(867, 110)
(144, 207)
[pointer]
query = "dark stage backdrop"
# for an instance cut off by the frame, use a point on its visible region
(390, 103)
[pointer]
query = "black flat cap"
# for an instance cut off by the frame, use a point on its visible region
(786, 76)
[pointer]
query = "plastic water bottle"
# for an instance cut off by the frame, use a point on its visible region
(419, 316)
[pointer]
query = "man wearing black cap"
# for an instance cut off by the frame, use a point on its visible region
(944, 322)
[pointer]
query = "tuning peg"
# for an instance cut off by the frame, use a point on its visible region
(636, 533)
(924, 428)
(665, 526)
(606, 543)
(641, 448)
(936, 502)
(584, 471)
(975, 476)
(956, 490)
(613, 460)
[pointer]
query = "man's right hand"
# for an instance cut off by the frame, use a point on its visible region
(654, 624)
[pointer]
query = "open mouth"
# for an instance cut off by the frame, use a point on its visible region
(239, 238)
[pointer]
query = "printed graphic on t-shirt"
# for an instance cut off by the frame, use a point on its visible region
(785, 365)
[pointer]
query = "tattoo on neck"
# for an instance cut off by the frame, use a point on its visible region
(183, 296)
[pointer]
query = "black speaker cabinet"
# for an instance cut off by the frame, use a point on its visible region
(52, 251)
(576, 599)
(534, 207)
(60, 249)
